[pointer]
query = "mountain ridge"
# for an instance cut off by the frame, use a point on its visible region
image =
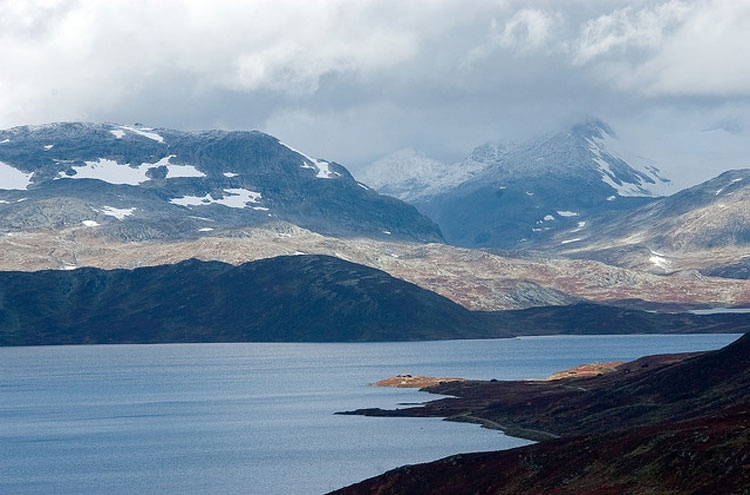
(517, 196)
(168, 183)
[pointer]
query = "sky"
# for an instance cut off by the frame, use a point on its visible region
(355, 80)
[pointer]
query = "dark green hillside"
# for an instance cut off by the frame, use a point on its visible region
(292, 298)
(284, 299)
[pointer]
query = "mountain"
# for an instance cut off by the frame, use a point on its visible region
(476, 279)
(658, 425)
(411, 176)
(134, 183)
(284, 299)
(705, 227)
(518, 196)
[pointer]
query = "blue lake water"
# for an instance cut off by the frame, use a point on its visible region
(254, 418)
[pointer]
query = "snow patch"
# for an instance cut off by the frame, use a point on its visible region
(12, 178)
(568, 213)
(233, 198)
(363, 186)
(230, 174)
(143, 131)
(5, 141)
(261, 208)
(89, 223)
(69, 267)
(611, 198)
(529, 193)
(580, 227)
(659, 261)
(548, 218)
(387, 232)
(608, 147)
(568, 241)
(322, 166)
(118, 133)
(205, 229)
(110, 171)
(48, 147)
(176, 171)
(118, 213)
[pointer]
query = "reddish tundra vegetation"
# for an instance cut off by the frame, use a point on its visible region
(667, 424)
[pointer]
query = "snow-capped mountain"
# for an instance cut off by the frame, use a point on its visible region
(410, 175)
(138, 182)
(706, 226)
(526, 193)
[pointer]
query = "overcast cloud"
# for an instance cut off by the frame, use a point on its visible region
(355, 80)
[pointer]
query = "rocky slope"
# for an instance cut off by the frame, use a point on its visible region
(138, 183)
(478, 280)
(705, 227)
(285, 299)
(518, 196)
(658, 425)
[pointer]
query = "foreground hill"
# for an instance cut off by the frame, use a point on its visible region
(658, 425)
(478, 280)
(136, 183)
(284, 299)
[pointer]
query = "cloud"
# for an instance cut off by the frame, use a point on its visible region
(672, 49)
(354, 80)
(74, 56)
(527, 30)
(627, 29)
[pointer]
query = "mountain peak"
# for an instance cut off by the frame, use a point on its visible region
(593, 127)
(137, 182)
(408, 174)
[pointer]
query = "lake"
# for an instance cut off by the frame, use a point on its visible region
(254, 418)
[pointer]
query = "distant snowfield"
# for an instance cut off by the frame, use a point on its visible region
(143, 131)
(176, 171)
(609, 146)
(110, 171)
(322, 166)
(12, 178)
(233, 198)
(118, 213)
(568, 241)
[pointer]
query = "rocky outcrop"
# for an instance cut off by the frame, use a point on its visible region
(409, 381)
